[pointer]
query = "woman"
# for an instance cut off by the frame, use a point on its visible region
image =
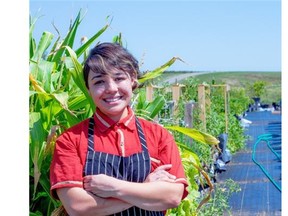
(115, 163)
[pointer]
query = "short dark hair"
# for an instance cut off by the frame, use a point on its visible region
(105, 56)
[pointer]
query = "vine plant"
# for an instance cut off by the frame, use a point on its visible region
(215, 125)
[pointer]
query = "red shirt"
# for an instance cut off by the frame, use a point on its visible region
(119, 138)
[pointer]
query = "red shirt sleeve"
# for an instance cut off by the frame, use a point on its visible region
(66, 168)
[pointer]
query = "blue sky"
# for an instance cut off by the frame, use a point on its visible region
(207, 35)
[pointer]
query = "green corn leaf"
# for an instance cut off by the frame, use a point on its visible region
(78, 102)
(86, 45)
(32, 42)
(37, 145)
(68, 40)
(45, 183)
(199, 136)
(141, 103)
(42, 71)
(118, 39)
(158, 71)
(44, 43)
(187, 153)
(32, 22)
(54, 49)
(75, 68)
(37, 133)
(62, 99)
(155, 106)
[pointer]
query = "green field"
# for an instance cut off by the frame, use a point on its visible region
(239, 79)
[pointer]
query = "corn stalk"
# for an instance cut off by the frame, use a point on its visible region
(57, 101)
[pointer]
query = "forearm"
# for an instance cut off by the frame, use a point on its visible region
(156, 196)
(159, 192)
(77, 201)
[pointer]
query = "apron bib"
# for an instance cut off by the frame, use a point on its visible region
(134, 168)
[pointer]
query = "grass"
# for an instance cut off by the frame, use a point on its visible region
(240, 79)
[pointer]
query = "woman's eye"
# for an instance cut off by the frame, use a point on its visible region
(120, 78)
(98, 82)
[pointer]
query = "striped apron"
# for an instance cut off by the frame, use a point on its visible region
(134, 168)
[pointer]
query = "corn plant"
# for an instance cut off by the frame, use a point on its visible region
(58, 99)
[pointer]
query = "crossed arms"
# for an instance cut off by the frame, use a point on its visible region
(105, 195)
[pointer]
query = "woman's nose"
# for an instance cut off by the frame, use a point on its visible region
(111, 86)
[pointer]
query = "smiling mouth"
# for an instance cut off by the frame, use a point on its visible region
(110, 100)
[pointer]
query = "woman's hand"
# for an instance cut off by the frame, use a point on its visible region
(106, 186)
(100, 185)
(158, 192)
(160, 174)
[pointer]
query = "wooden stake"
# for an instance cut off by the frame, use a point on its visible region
(149, 92)
(202, 104)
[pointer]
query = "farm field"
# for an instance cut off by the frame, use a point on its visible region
(234, 79)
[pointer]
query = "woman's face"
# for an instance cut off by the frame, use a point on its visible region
(111, 92)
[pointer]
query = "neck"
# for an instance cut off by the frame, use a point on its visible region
(115, 118)
(119, 117)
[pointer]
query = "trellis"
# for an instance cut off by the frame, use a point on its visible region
(176, 92)
(203, 103)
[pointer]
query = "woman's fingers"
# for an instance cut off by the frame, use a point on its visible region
(161, 174)
(163, 167)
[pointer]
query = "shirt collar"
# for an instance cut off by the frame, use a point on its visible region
(103, 122)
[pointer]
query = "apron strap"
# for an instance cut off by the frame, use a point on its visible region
(141, 135)
(91, 134)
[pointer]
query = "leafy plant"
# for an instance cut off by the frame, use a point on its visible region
(216, 124)
(257, 89)
(57, 101)
(219, 204)
(238, 101)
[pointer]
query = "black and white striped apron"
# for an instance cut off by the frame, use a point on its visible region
(134, 168)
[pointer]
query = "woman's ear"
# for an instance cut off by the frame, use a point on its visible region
(134, 83)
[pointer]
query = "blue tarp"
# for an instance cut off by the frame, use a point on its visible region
(258, 195)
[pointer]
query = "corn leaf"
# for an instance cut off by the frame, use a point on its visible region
(155, 106)
(44, 43)
(32, 42)
(48, 113)
(69, 39)
(78, 102)
(195, 134)
(141, 102)
(35, 84)
(158, 71)
(75, 68)
(37, 146)
(42, 72)
(62, 99)
(188, 153)
(86, 45)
